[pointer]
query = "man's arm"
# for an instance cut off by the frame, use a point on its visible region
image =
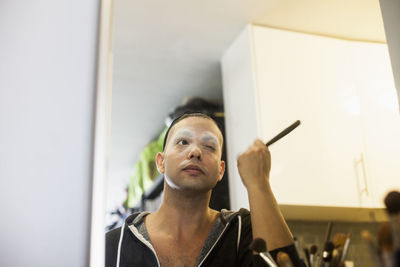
(266, 219)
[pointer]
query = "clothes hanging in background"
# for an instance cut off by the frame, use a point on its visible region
(145, 171)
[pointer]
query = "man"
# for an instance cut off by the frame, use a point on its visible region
(184, 231)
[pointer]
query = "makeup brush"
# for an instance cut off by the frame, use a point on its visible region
(374, 223)
(385, 243)
(346, 247)
(339, 239)
(326, 241)
(385, 240)
(373, 251)
(313, 252)
(392, 203)
(297, 246)
(318, 260)
(283, 259)
(259, 246)
(283, 133)
(328, 231)
(307, 254)
(327, 253)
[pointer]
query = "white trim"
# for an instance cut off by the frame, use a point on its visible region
(101, 133)
(239, 231)
(144, 240)
(209, 251)
(121, 236)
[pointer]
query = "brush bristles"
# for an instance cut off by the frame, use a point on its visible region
(392, 202)
(339, 239)
(313, 249)
(366, 236)
(385, 240)
(282, 258)
(258, 245)
(329, 246)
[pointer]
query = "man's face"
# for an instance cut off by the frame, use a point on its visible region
(192, 156)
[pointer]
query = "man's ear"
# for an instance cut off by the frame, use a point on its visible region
(160, 162)
(221, 170)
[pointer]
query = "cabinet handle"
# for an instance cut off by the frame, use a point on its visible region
(364, 174)
(361, 161)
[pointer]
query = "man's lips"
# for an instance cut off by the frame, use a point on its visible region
(193, 168)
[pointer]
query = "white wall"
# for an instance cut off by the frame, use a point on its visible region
(47, 74)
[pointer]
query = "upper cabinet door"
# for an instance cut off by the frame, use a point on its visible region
(380, 118)
(309, 78)
(346, 152)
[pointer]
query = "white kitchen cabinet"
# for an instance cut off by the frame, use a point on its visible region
(380, 119)
(337, 155)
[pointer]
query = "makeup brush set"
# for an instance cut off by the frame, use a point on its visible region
(333, 253)
(385, 251)
(259, 247)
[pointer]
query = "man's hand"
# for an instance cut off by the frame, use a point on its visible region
(266, 219)
(254, 166)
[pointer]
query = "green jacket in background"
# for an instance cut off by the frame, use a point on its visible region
(144, 171)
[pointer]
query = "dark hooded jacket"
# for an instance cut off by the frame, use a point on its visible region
(227, 244)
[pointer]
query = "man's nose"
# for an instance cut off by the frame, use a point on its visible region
(195, 152)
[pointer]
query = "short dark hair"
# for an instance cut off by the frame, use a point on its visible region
(184, 116)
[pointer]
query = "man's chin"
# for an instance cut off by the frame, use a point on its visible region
(191, 188)
(191, 184)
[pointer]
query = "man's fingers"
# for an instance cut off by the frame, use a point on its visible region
(257, 145)
(258, 142)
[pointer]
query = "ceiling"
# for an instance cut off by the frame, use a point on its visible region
(166, 50)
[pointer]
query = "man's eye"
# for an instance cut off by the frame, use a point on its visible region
(182, 142)
(210, 147)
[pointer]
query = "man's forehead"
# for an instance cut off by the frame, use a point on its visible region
(205, 135)
(190, 125)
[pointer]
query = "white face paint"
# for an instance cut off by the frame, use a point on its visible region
(192, 156)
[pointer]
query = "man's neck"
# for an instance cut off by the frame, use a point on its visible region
(179, 228)
(184, 213)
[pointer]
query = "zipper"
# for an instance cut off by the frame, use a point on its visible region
(209, 251)
(144, 241)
